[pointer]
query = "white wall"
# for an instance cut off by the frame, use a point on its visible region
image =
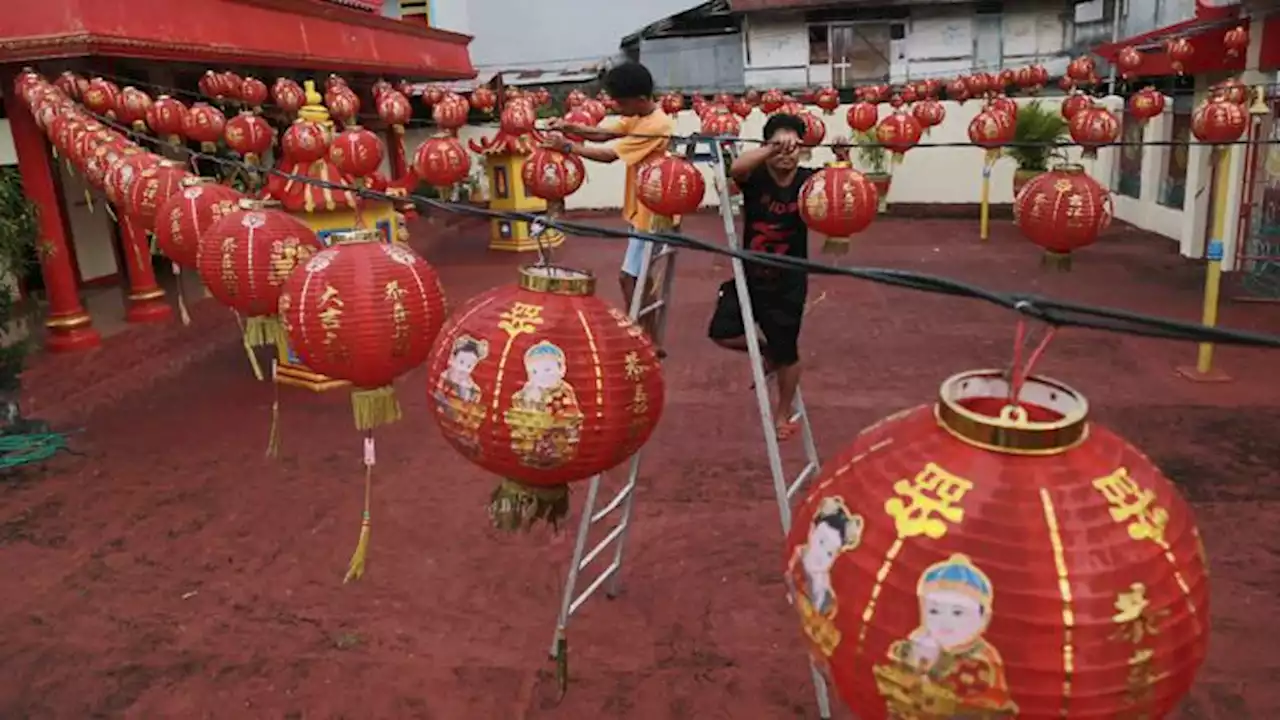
(90, 229)
(451, 15)
(8, 156)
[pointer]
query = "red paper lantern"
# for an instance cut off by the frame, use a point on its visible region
(167, 118)
(205, 124)
(543, 384)
(862, 117)
(1061, 211)
(1129, 59)
(828, 99)
(542, 97)
(250, 135)
(838, 202)
(343, 104)
(672, 103)
(433, 95)
(288, 95)
(595, 108)
(183, 219)
(1004, 104)
(742, 108)
(304, 142)
(1093, 128)
(132, 107)
(101, 97)
(450, 113)
(771, 101)
(214, 85)
(518, 118)
(106, 154)
(1025, 78)
(1145, 104)
(356, 152)
(1040, 75)
(1075, 103)
(1236, 40)
(552, 175)
(607, 99)
(670, 186)
(991, 130)
(988, 558)
(231, 84)
(958, 90)
(484, 100)
(1231, 90)
(898, 133)
(394, 109)
(152, 188)
(1005, 79)
(752, 97)
(929, 113)
(441, 161)
(71, 84)
(578, 116)
(120, 179)
(1066, 84)
(814, 130)
(253, 92)
(909, 94)
(335, 83)
(1180, 51)
(720, 121)
(979, 84)
(379, 87)
(1082, 69)
(1219, 121)
(575, 98)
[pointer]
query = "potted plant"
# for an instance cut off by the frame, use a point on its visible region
(873, 161)
(19, 232)
(1037, 130)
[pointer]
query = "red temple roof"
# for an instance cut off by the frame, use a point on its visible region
(303, 34)
(1206, 32)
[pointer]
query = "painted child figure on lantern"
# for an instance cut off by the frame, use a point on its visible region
(458, 396)
(545, 419)
(833, 531)
(945, 668)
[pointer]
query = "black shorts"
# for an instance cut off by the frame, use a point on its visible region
(778, 313)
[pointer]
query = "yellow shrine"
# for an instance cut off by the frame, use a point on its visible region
(504, 157)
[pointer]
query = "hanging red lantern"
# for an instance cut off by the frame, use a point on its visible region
(1219, 121)
(1075, 104)
(335, 83)
(107, 152)
(450, 113)
(432, 95)
(752, 97)
(958, 90)
(862, 117)
(1004, 104)
(1236, 41)
(394, 109)
(1062, 210)
(828, 99)
(118, 184)
(343, 104)
(979, 84)
(595, 108)
(1025, 78)
(929, 113)
(991, 130)
(1145, 104)
(1040, 76)
(253, 92)
(288, 95)
(132, 107)
(741, 108)
(997, 556)
(672, 103)
(552, 175)
(1231, 90)
(609, 103)
(101, 97)
(211, 84)
(1128, 60)
(356, 152)
(244, 259)
(770, 101)
(1180, 51)
(723, 99)
(304, 142)
(574, 98)
(814, 130)
(1005, 79)
(1066, 84)
(670, 186)
(71, 84)
(204, 124)
(838, 202)
(1082, 69)
(188, 213)
(542, 97)
(898, 133)
(1092, 128)
(543, 384)
(441, 161)
(484, 99)
(167, 118)
(518, 118)
(249, 135)
(232, 83)
(380, 86)
(720, 121)
(907, 95)
(897, 101)
(152, 188)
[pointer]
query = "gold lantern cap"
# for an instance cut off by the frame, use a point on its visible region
(1069, 168)
(356, 237)
(257, 204)
(1012, 431)
(194, 180)
(557, 280)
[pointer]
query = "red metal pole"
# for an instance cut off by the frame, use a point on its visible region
(395, 145)
(146, 299)
(69, 326)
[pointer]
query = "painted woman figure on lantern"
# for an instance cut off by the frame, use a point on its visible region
(545, 419)
(945, 668)
(457, 394)
(833, 531)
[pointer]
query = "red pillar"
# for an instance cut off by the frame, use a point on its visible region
(146, 299)
(69, 326)
(395, 145)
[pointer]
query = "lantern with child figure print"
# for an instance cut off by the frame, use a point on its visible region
(989, 557)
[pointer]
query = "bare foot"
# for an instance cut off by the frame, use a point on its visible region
(786, 428)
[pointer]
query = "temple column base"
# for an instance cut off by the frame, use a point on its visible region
(148, 306)
(72, 333)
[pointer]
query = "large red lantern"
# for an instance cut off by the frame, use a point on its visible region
(118, 184)
(288, 95)
(553, 175)
(304, 142)
(1129, 59)
(244, 259)
(518, 118)
(999, 555)
(356, 152)
(720, 121)
(1180, 51)
(862, 116)
(484, 100)
(1219, 121)
(991, 130)
(1232, 90)
(1145, 104)
(132, 108)
(1092, 128)
(451, 112)
(1062, 211)
(167, 118)
(929, 113)
(838, 202)
(205, 124)
(1236, 40)
(250, 135)
(214, 85)
(543, 384)
(898, 133)
(441, 161)
(672, 103)
(670, 186)
(188, 213)
(101, 97)
(153, 187)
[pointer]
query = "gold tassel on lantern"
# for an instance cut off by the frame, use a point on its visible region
(836, 246)
(182, 295)
(513, 506)
(355, 569)
(265, 330)
(375, 407)
(1056, 261)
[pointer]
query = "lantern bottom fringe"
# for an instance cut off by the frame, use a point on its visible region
(836, 246)
(355, 568)
(1056, 261)
(264, 330)
(182, 296)
(375, 407)
(514, 506)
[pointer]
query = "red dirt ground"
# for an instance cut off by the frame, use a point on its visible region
(173, 572)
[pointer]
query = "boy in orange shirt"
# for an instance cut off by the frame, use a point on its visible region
(642, 132)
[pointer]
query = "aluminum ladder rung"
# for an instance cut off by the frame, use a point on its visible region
(594, 552)
(805, 476)
(617, 500)
(595, 585)
(651, 308)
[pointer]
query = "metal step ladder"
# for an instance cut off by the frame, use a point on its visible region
(784, 488)
(657, 264)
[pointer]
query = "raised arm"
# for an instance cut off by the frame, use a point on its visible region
(749, 160)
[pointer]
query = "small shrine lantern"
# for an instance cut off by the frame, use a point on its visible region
(505, 155)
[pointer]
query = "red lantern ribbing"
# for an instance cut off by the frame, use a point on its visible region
(838, 202)
(999, 555)
(552, 175)
(441, 161)
(153, 188)
(1061, 211)
(183, 219)
(543, 384)
(1092, 128)
(862, 116)
(1219, 121)
(167, 118)
(670, 186)
(204, 124)
(898, 133)
(250, 135)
